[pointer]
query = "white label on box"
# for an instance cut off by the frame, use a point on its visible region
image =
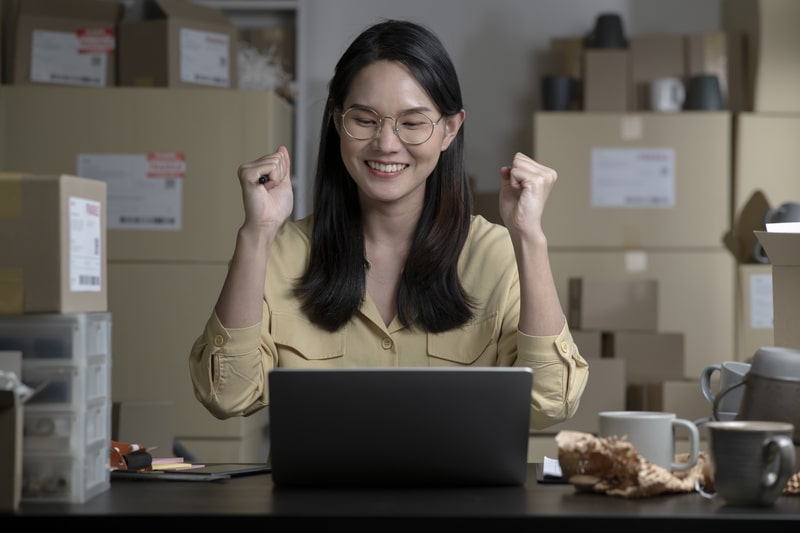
(85, 265)
(761, 301)
(205, 58)
(633, 177)
(60, 58)
(145, 191)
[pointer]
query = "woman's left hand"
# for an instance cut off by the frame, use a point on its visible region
(524, 189)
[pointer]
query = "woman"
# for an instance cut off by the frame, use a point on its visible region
(391, 268)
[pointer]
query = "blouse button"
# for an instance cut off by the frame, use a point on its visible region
(218, 340)
(386, 343)
(564, 346)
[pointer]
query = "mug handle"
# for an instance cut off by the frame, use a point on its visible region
(694, 445)
(779, 450)
(705, 381)
(721, 394)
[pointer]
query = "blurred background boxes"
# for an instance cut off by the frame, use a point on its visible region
(178, 43)
(650, 357)
(163, 275)
(766, 157)
(772, 73)
(53, 233)
(653, 57)
(613, 304)
(606, 80)
(61, 43)
(695, 293)
(214, 131)
(656, 180)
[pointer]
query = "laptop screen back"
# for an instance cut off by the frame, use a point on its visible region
(399, 426)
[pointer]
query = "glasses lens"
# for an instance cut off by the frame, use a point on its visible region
(414, 127)
(361, 124)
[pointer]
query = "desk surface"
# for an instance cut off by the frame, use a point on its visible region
(255, 497)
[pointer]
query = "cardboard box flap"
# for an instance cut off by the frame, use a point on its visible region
(741, 240)
(184, 9)
(74, 9)
(783, 249)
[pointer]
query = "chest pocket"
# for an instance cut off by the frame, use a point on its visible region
(473, 344)
(297, 335)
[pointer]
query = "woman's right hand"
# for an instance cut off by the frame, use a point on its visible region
(269, 203)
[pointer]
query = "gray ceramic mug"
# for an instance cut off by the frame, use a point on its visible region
(752, 460)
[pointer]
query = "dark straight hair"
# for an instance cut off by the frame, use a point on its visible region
(430, 294)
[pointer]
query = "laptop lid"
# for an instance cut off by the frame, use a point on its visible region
(399, 426)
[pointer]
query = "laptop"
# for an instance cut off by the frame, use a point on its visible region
(394, 427)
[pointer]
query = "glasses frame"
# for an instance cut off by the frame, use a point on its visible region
(380, 120)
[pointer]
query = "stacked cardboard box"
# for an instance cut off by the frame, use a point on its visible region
(174, 207)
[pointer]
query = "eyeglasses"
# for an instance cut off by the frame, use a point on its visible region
(412, 127)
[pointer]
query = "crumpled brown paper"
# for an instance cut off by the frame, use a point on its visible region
(611, 465)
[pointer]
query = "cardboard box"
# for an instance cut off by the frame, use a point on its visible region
(783, 250)
(720, 53)
(11, 431)
(650, 357)
(180, 44)
(630, 181)
(187, 213)
(696, 293)
(773, 71)
(613, 303)
(11, 423)
(62, 43)
(754, 310)
(741, 240)
(590, 343)
(680, 396)
(606, 80)
(149, 423)
(53, 237)
(766, 158)
(653, 57)
(605, 391)
(153, 367)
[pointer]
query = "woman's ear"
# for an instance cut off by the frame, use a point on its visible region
(452, 124)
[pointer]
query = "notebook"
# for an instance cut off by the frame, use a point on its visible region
(399, 426)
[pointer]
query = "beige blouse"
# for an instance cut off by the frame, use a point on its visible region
(229, 367)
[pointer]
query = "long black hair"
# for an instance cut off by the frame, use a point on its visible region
(430, 294)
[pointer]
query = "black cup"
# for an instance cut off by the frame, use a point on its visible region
(558, 92)
(703, 93)
(608, 32)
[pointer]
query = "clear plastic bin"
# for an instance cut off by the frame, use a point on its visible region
(76, 336)
(66, 430)
(66, 477)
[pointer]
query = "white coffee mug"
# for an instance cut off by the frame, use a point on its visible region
(652, 434)
(667, 94)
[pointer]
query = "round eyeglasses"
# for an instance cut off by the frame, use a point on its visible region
(412, 127)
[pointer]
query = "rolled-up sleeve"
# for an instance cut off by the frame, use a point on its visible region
(228, 369)
(560, 374)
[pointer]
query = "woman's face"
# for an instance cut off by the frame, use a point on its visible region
(386, 169)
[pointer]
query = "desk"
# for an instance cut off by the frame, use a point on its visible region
(540, 504)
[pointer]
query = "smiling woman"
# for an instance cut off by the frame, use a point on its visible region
(391, 269)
